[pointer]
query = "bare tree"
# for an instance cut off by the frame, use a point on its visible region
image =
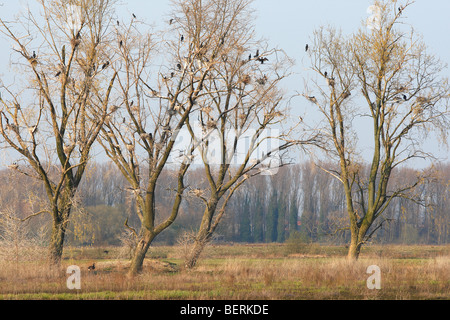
(53, 121)
(238, 129)
(141, 135)
(399, 84)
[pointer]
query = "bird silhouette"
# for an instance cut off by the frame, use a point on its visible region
(257, 53)
(405, 97)
(325, 74)
(262, 60)
(182, 38)
(105, 65)
(134, 16)
(91, 268)
(306, 47)
(179, 66)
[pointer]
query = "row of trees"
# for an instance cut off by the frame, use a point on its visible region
(301, 200)
(206, 91)
(271, 210)
(151, 100)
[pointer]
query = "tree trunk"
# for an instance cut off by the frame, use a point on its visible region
(57, 243)
(137, 261)
(354, 248)
(203, 235)
(358, 233)
(194, 255)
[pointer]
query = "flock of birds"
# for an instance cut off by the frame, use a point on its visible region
(256, 57)
(345, 95)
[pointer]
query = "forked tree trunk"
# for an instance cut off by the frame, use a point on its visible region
(358, 234)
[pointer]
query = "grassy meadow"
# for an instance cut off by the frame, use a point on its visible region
(237, 272)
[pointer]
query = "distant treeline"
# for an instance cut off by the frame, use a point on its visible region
(301, 201)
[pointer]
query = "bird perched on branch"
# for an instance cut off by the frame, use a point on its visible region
(346, 94)
(32, 58)
(114, 109)
(130, 147)
(330, 82)
(312, 99)
(32, 130)
(76, 40)
(306, 48)
(147, 136)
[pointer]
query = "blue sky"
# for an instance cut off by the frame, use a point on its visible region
(288, 24)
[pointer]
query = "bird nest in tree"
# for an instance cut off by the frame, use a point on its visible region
(197, 192)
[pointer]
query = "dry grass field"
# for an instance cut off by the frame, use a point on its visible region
(238, 272)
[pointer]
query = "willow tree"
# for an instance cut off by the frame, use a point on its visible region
(384, 78)
(53, 120)
(237, 127)
(160, 86)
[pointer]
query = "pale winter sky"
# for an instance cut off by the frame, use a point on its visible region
(288, 24)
